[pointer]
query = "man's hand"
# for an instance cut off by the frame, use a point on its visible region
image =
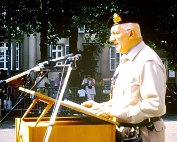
(103, 112)
(90, 104)
(98, 108)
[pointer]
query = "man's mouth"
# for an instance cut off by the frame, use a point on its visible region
(117, 44)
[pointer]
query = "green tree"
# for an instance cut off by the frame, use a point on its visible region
(157, 19)
(56, 19)
(48, 17)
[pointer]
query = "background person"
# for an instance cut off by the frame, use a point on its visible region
(89, 84)
(43, 84)
(60, 81)
(139, 86)
(42, 87)
(57, 80)
(3, 87)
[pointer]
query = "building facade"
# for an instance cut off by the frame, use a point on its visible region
(26, 55)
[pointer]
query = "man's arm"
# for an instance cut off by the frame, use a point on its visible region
(152, 91)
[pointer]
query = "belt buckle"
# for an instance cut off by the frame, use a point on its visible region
(150, 125)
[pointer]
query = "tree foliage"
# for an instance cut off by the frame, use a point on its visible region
(59, 18)
(157, 19)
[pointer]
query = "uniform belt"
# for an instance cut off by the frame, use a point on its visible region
(146, 122)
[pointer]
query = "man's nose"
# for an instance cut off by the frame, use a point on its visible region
(112, 38)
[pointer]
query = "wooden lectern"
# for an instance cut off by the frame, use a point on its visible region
(39, 97)
(86, 128)
(66, 129)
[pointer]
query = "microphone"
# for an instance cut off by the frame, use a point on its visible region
(75, 57)
(54, 61)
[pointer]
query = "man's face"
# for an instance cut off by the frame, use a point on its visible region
(120, 37)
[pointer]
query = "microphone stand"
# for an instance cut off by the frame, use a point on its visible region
(57, 104)
(21, 98)
(37, 68)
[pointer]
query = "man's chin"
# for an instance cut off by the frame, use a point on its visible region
(118, 49)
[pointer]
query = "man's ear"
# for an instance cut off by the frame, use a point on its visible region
(132, 33)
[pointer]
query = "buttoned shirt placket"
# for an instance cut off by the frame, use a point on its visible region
(113, 80)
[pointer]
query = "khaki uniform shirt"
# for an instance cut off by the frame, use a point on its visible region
(140, 87)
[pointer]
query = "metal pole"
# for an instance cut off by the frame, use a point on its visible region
(56, 106)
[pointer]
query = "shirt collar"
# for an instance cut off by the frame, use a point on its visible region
(135, 50)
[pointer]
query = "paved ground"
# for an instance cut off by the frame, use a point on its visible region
(171, 128)
(7, 129)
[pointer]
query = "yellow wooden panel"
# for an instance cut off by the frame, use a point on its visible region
(65, 130)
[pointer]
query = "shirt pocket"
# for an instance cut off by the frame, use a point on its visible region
(131, 85)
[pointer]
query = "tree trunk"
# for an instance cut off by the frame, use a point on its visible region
(9, 52)
(43, 44)
(44, 29)
(75, 79)
(73, 41)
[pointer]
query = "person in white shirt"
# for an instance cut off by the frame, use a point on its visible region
(43, 84)
(89, 84)
(42, 87)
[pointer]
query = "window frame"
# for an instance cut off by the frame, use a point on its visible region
(4, 49)
(61, 50)
(114, 58)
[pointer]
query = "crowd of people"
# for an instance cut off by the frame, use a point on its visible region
(46, 86)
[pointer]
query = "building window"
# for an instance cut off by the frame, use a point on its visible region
(56, 51)
(171, 73)
(66, 49)
(4, 55)
(114, 58)
(17, 56)
(81, 29)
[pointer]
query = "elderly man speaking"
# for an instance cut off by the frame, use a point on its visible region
(138, 85)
